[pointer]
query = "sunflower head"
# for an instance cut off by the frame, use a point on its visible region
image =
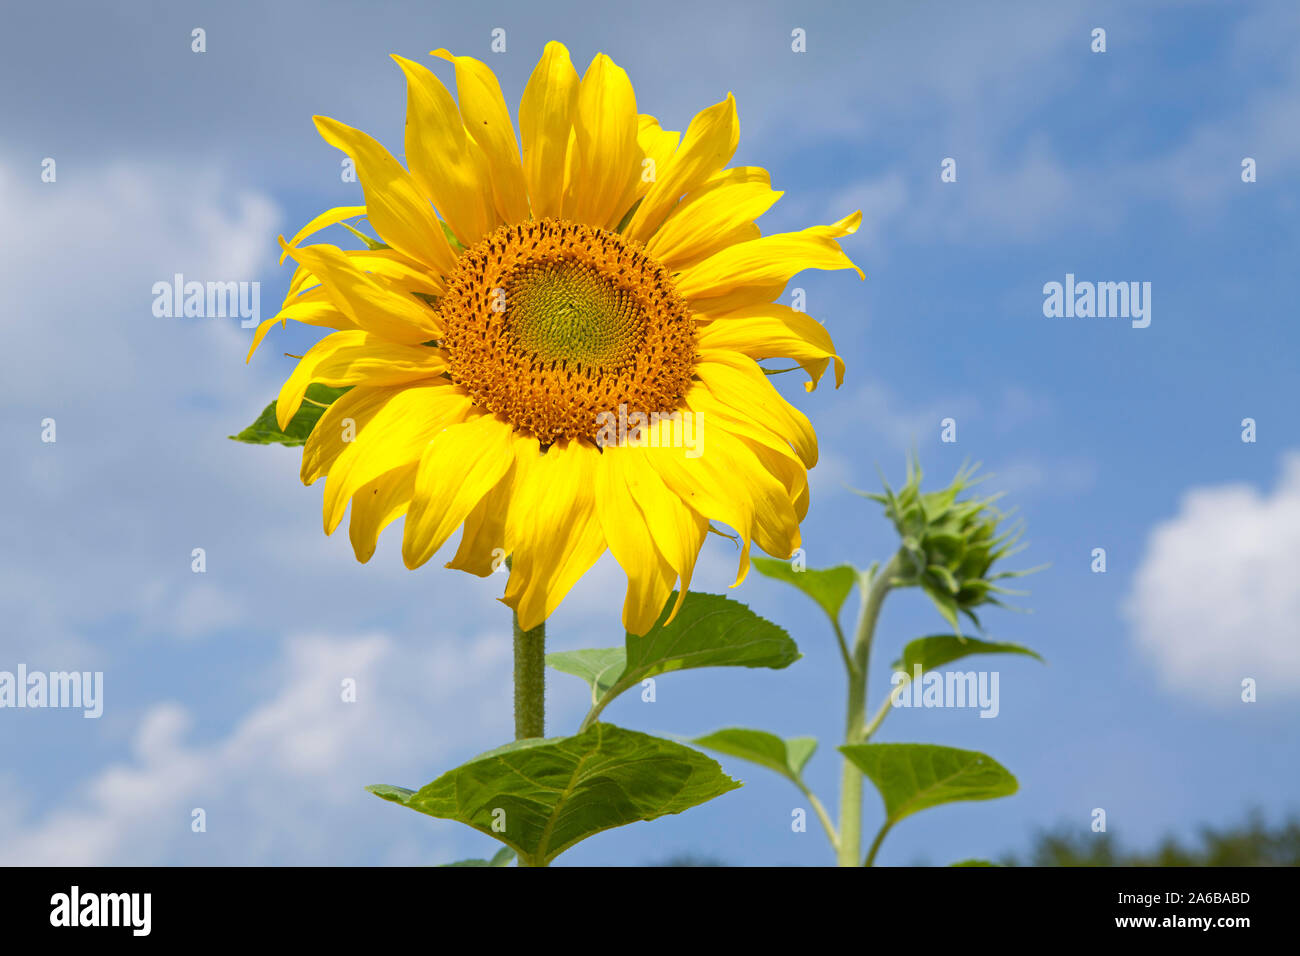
(524, 286)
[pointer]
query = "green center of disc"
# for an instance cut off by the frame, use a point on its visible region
(567, 311)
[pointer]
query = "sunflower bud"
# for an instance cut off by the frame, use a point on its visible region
(950, 544)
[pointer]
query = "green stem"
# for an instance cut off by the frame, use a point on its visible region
(850, 829)
(882, 713)
(822, 815)
(530, 677)
(844, 647)
(530, 681)
(594, 714)
(875, 845)
(530, 686)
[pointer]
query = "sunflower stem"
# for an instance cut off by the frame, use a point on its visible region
(530, 678)
(530, 681)
(855, 731)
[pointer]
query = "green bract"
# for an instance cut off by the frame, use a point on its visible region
(949, 544)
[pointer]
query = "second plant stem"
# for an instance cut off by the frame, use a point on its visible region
(850, 829)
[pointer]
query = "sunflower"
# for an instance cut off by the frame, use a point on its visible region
(517, 303)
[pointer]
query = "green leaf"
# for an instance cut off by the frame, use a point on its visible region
(503, 857)
(390, 793)
(599, 667)
(709, 631)
(786, 757)
(973, 863)
(939, 649)
(265, 431)
(913, 777)
(548, 794)
(945, 605)
(830, 588)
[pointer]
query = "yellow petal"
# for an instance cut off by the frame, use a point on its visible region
(838, 230)
(339, 425)
(552, 530)
(329, 217)
(763, 262)
(772, 449)
(355, 358)
(365, 301)
(376, 505)
(392, 269)
(260, 334)
(457, 469)
(397, 209)
(482, 546)
(388, 267)
(303, 278)
(727, 482)
(449, 166)
(545, 124)
(394, 436)
(708, 145)
(572, 171)
(487, 118)
(445, 160)
(677, 531)
(609, 158)
(323, 314)
(737, 382)
(649, 575)
(772, 330)
(738, 298)
(657, 144)
(787, 469)
(719, 214)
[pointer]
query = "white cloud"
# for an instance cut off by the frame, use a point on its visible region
(1217, 597)
(78, 275)
(285, 784)
(141, 404)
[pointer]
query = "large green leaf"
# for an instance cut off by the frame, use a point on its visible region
(939, 649)
(912, 777)
(265, 431)
(787, 757)
(830, 588)
(709, 631)
(545, 795)
(503, 857)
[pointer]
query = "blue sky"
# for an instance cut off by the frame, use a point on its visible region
(221, 688)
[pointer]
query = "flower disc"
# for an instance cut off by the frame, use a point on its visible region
(550, 323)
